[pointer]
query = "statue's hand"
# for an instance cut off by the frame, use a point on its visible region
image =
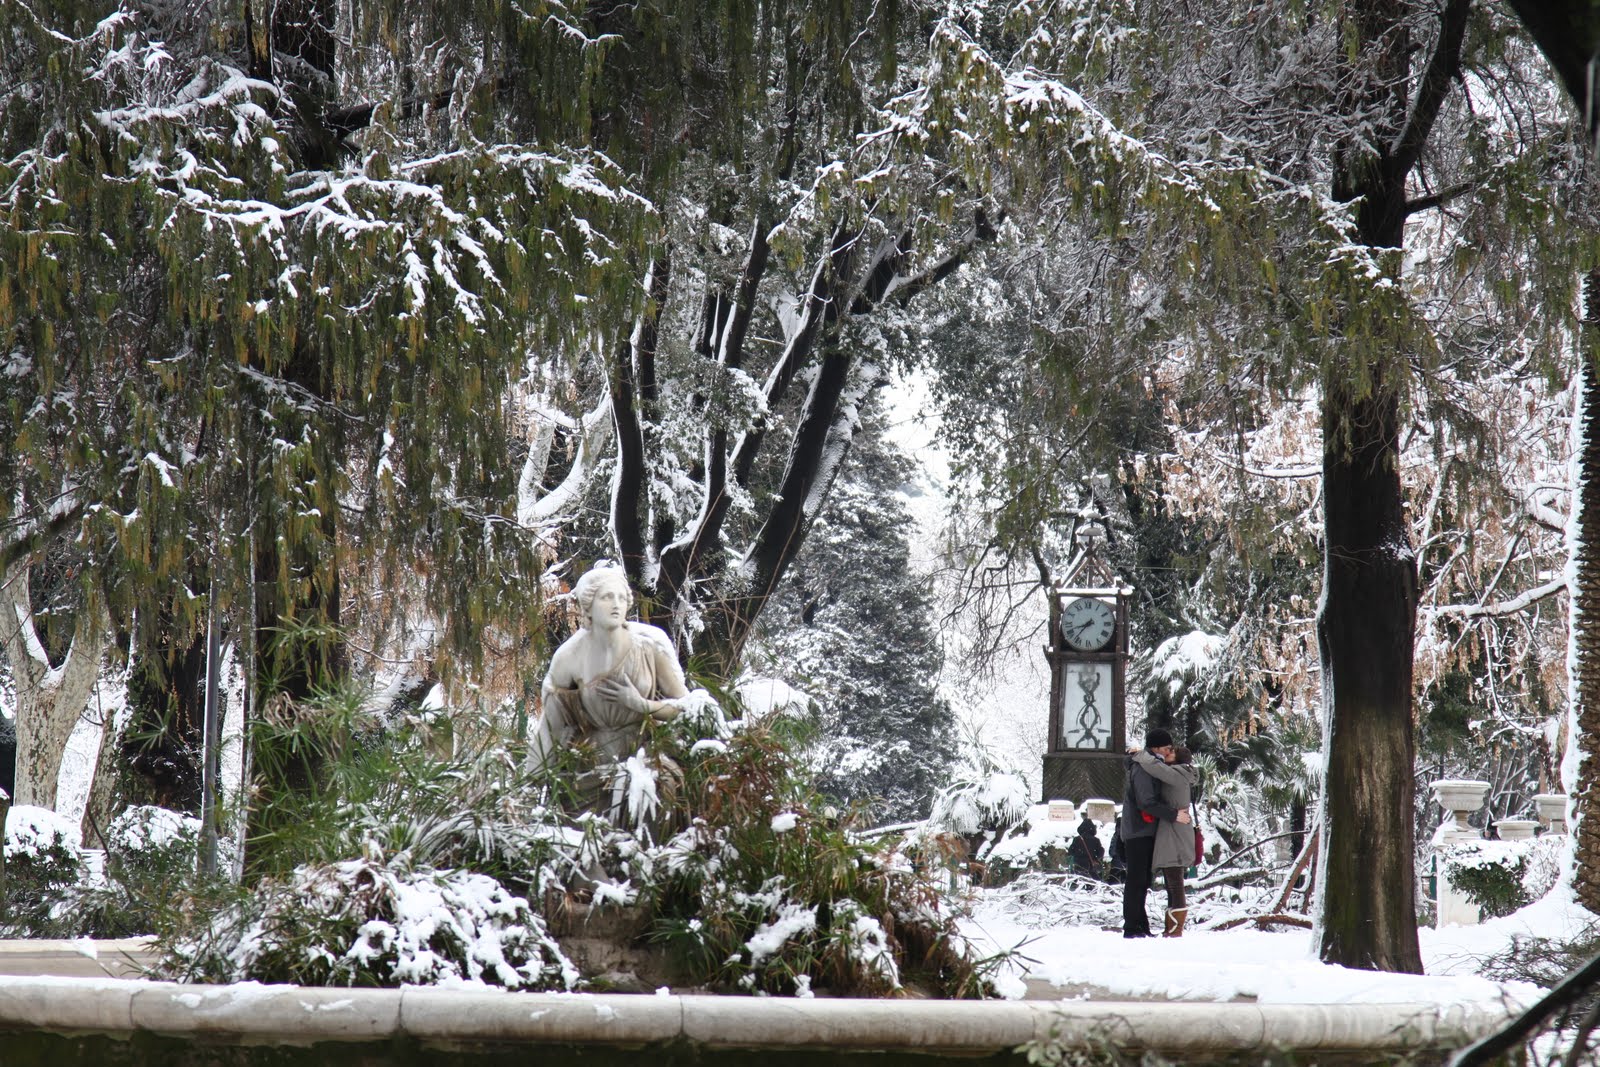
(622, 691)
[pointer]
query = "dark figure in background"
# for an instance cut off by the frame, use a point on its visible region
(1086, 852)
(1142, 812)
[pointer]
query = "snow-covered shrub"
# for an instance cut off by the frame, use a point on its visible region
(1502, 876)
(762, 696)
(995, 802)
(1035, 843)
(409, 867)
(44, 864)
(766, 887)
(377, 922)
(1544, 865)
(150, 840)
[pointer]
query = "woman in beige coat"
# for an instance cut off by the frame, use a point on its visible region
(1174, 849)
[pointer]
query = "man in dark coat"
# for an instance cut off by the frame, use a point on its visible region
(1142, 810)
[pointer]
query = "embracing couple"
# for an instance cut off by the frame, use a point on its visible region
(1157, 831)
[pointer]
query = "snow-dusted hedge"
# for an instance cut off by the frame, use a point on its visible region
(148, 841)
(378, 922)
(412, 869)
(995, 801)
(1502, 876)
(767, 888)
(44, 863)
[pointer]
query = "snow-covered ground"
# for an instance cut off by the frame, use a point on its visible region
(1085, 962)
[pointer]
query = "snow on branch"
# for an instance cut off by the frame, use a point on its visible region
(1505, 607)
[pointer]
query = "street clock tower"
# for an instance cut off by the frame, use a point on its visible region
(1088, 654)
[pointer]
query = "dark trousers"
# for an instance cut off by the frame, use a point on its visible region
(1138, 852)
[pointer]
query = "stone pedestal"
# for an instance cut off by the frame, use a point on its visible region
(1515, 829)
(1459, 798)
(1552, 809)
(1100, 810)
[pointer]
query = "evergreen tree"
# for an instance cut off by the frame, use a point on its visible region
(855, 628)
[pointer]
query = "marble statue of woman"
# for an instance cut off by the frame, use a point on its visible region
(607, 678)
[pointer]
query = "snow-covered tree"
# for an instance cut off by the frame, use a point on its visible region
(855, 627)
(1277, 160)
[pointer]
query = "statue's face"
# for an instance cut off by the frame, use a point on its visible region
(610, 607)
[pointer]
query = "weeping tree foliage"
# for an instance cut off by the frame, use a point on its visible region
(284, 282)
(251, 364)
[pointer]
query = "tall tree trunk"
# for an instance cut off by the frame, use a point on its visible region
(101, 804)
(1367, 616)
(1579, 769)
(50, 698)
(1365, 635)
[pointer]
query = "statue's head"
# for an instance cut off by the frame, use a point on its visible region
(602, 580)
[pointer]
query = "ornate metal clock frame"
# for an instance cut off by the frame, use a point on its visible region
(1088, 699)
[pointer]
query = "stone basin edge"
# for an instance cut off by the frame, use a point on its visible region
(257, 1014)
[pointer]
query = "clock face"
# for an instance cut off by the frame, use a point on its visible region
(1087, 624)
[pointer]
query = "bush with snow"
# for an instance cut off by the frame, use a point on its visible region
(769, 888)
(407, 868)
(992, 802)
(1037, 843)
(147, 840)
(378, 922)
(44, 864)
(1503, 876)
(1178, 662)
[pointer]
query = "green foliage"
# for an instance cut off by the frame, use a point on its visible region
(1491, 877)
(269, 342)
(442, 790)
(43, 868)
(768, 888)
(737, 865)
(151, 882)
(408, 853)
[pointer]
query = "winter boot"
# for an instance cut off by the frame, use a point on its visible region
(1175, 921)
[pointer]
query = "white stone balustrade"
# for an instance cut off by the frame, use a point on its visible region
(1459, 798)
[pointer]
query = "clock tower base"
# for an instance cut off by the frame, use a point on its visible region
(1078, 776)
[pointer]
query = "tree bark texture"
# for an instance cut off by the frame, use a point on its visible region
(50, 698)
(1584, 650)
(1367, 616)
(1365, 635)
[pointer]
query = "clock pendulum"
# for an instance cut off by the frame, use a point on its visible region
(1089, 716)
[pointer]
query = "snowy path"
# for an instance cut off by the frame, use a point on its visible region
(1086, 962)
